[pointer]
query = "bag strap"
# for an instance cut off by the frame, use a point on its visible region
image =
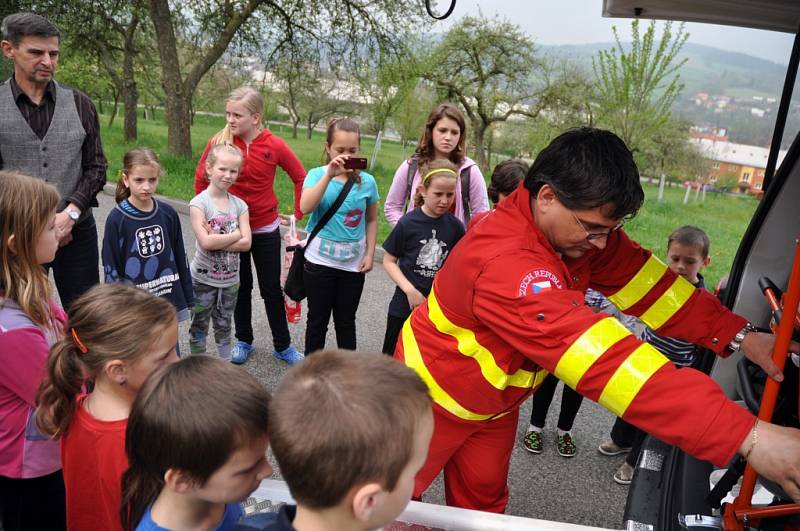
(332, 210)
(465, 178)
(413, 163)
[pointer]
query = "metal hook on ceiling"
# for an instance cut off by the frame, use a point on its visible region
(440, 17)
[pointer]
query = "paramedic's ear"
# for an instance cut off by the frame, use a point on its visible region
(546, 195)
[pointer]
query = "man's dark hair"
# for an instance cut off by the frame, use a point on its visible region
(15, 27)
(588, 168)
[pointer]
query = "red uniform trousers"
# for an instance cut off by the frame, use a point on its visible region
(475, 456)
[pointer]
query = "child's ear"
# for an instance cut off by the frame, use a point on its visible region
(706, 261)
(116, 371)
(366, 499)
(11, 243)
(178, 481)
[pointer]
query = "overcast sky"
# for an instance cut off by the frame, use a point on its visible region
(581, 22)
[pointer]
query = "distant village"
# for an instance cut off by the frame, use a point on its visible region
(740, 164)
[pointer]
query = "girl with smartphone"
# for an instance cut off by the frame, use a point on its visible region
(343, 250)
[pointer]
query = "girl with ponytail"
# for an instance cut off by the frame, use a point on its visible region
(115, 338)
(263, 153)
(30, 466)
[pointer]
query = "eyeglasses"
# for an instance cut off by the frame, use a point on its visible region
(597, 235)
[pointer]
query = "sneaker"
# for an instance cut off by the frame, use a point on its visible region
(533, 442)
(624, 474)
(612, 448)
(241, 351)
(566, 446)
(289, 355)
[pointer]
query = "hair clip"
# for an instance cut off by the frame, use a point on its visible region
(78, 342)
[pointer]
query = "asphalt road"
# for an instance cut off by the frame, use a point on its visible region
(547, 486)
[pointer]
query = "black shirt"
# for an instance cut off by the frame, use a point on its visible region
(93, 159)
(421, 244)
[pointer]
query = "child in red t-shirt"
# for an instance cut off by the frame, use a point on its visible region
(116, 336)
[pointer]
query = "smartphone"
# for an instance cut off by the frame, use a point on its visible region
(355, 163)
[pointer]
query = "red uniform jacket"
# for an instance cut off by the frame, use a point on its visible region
(257, 176)
(505, 308)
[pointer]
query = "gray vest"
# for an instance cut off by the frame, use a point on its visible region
(57, 157)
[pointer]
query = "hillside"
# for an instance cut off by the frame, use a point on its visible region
(707, 69)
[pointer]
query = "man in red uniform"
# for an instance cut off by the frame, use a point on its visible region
(507, 307)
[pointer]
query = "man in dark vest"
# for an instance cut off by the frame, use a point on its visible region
(52, 132)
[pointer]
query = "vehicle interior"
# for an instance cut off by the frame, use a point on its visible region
(670, 489)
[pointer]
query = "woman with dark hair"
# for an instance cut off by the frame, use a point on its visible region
(444, 137)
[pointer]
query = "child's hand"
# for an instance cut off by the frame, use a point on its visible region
(336, 167)
(286, 219)
(415, 298)
(366, 264)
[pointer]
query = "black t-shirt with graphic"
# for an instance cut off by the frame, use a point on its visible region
(421, 245)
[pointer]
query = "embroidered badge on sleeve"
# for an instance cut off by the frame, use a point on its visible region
(538, 281)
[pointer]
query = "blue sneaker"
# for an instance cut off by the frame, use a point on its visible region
(240, 352)
(289, 355)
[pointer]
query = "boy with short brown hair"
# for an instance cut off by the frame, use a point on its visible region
(349, 430)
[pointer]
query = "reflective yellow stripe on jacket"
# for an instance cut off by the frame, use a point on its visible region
(468, 345)
(627, 380)
(642, 282)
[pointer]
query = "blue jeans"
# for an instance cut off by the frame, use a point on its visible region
(266, 253)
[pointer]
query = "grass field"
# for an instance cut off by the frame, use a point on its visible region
(724, 218)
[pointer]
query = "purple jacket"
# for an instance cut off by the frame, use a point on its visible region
(24, 452)
(396, 198)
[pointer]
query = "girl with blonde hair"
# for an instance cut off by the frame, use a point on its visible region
(263, 153)
(30, 321)
(116, 337)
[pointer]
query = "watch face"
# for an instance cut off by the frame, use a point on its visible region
(73, 215)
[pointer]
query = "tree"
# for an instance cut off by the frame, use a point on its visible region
(490, 67)
(637, 85)
(115, 32)
(412, 113)
(385, 83)
(210, 26)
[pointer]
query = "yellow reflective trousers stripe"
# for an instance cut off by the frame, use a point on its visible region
(628, 379)
(468, 345)
(588, 348)
(642, 282)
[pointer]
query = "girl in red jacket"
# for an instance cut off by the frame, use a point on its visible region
(263, 153)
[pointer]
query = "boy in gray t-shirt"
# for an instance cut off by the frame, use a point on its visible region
(221, 225)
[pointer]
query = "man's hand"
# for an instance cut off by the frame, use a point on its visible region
(757, 347)
(64, 228)
(776, 455)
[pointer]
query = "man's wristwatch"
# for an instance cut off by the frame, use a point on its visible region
(72, 213)
(736, 343)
